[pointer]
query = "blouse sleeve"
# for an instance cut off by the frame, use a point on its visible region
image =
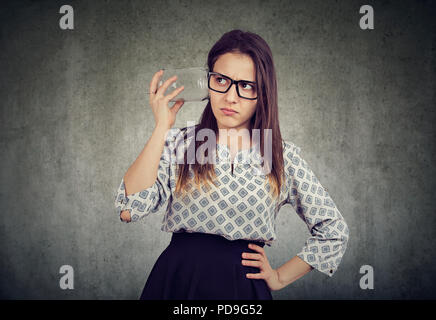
(154, 198)
(325, 247)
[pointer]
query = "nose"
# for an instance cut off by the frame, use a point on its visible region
(232, 94)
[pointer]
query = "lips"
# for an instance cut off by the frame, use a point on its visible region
(228, 110)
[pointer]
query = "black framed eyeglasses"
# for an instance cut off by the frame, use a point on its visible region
(221, 83)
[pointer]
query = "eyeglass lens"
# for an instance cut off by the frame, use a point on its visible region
(221, 84)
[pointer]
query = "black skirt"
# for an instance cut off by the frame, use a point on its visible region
(200, 266)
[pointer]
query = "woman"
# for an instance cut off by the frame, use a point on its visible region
(223, 212)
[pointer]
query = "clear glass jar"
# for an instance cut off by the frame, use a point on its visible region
(193, 79)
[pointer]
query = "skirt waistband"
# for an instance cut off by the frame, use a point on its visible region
(200, 239)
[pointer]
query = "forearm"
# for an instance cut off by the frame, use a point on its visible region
(292, 270)
(143, 172)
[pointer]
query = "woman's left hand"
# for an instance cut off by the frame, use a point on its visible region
(260, 260)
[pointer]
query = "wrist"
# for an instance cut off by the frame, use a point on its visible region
(161, 130)
(279, 280)
(162, 126)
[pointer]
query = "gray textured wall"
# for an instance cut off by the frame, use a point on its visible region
(74, 114)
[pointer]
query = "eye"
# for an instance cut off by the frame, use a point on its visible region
(247, 86)
(221, 80)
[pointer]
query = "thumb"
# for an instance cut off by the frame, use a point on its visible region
(176, 107)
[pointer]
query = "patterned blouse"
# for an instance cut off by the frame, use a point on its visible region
(240, 206)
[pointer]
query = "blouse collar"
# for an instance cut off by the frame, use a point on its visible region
(248, 156)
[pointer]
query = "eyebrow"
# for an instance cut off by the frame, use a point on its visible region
(232, 79)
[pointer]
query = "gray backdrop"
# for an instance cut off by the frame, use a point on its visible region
(74, 113)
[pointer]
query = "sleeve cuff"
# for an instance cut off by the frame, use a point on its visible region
(138, 203)
(327, 268)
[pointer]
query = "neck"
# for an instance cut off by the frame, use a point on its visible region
(239, 139)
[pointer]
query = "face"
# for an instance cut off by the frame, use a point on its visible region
(238, 67)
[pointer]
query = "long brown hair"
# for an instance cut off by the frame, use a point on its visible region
(265, 116)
